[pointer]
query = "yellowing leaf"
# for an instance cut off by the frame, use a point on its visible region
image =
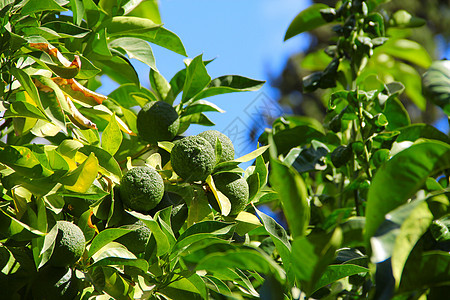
(222, 200)
(82, 177)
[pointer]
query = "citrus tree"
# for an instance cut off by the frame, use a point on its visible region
(104, 196)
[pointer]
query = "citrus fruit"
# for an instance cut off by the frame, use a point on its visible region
(141, 188)
(157, 121)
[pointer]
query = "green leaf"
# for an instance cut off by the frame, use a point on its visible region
(304, 259)
(181, 289)
(411, 79)
(416, 131)
(316, 61)
(399, 179)
(176, 86)
(63, 72)
(197, 78)
(120, 26)
(279, 238)
(396, 114)
(414, 226)
(306, 20)
(407, 50)
(436, 84)
(229, 84)
(28, 85)
(200, 231)
(197, 118)
(293, 137)
(199, 284)
(53, 104)
(104, 237)
(169, 40)
(293, 195)
(252, 155)
(243, 259)
(311, 257)
(159, 84)
(114, 284)
(25, 110)
(162, 242)
(77, 8)
(253, 182)
(135, 48)
(67, 30)
(34, 6)
(246, 222)
(122, 95)
(23, 161)
(335, 272)
(105, 160)
(199, 208)
(88, 70)
(127, 72)
(112, 136)
(146, 9)
(429, 270)
(307, 159)
(200, 106)
(13, 228)
(262, 169)
(217, 285)
(121, 261)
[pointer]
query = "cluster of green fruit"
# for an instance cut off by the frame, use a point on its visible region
(193, 158)
(142, 189)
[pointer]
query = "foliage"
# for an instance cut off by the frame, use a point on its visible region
(407, 16)
(365, 195)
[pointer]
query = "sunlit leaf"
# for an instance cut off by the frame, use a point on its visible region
(306, 20)
(293, 195)
(82, 177)
(400, 177)
(112, 136)
(197, 78)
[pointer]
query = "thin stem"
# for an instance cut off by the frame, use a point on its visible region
(139, 153)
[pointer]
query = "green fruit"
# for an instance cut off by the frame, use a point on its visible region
(136, 240)
(227, 146)
(55, 283)
(193, 158)
(77, 206)
(157, 121)
(69, 245)
(341, 155)
(236, 189)
(141, 188)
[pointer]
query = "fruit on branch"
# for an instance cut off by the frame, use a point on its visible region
(141, 188)
(227, 146)
(69, 245)
(54, 283)
(193, 158)
(157, 121)
(235, 187)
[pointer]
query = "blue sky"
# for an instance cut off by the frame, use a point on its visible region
(245, 37)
